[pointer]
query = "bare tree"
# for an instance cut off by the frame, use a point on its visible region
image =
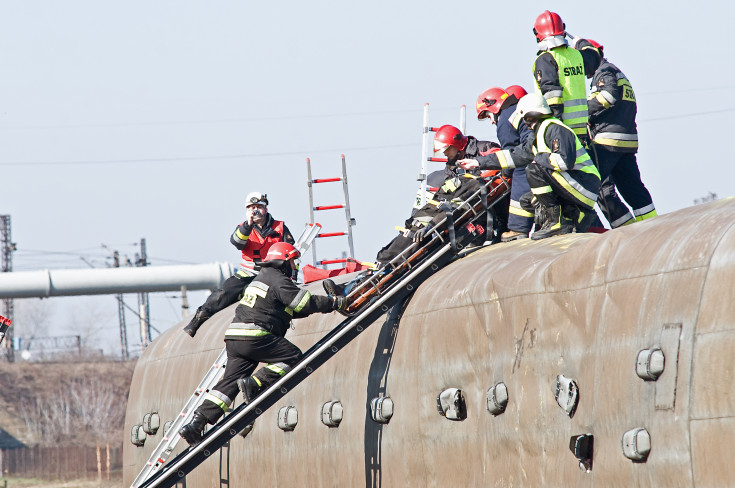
(86, 410)
(33, 318)
(93, 321)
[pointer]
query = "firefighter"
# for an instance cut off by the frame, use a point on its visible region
(253, 237)
(614, 134)
(452, 186)
(455, 146)
(256, 334)
(559, 74)
(499, 106)
(564, 181)
(458, 185)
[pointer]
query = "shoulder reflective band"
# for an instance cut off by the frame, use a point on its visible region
(299, 301)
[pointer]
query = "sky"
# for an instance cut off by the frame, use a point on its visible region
(154, 119)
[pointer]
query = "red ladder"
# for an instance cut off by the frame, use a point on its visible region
(346, 205)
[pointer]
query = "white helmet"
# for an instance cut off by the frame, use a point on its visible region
(534, 106)
(256, 198)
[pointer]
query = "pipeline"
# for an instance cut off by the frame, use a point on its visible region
(70, 282)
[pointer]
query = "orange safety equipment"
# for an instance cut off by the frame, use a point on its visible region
(283, 251)
(491, 100)
(448, 135)
(548, 24)
(257, 245)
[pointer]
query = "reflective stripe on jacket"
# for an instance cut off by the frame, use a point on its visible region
(612, 108)
(573, 93)
(582, 161)
(269, 303)
(566, 172)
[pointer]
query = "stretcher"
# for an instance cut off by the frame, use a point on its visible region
(463, 224)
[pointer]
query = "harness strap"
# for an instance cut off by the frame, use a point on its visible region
(450, 229)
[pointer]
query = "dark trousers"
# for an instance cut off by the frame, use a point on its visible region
(518, 218)
(230, 293)
(620, 170)
(243, 355)
(539, 177)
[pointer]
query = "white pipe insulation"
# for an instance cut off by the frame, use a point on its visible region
(69, 282)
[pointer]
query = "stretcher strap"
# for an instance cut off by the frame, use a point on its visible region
(489, 218)
(450, 229)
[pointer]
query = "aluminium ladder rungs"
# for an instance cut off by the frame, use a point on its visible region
(172, 437)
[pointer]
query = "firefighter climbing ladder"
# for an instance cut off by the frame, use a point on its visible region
(221, 433)
(171, 437)
(243, 415)
(425, 151)
(350, 221)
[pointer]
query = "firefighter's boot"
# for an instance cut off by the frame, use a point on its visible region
(539, 215)
(200, 316)
(513, 235)
(332, 288)
(554, 223)
(192, 432)
(250, 387)
(585, 220)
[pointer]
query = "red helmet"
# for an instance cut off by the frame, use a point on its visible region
(283, 251)
(448, 135)
(548, 24)
(516, 91)
(491, 100)
(597, 46)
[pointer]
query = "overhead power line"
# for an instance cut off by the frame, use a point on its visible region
(202, 158)
(678, 117)
(221, 121)
(302, 152)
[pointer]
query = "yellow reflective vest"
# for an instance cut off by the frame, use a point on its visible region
(574, 92)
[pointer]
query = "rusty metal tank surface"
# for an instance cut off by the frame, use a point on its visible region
(521, 313)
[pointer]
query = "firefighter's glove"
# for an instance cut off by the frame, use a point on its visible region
(507, 172)
(419, 235)
(339, 303)
(445, 206)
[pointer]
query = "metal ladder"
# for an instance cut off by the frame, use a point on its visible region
(172, 437)
(348, 217)
(426, 153)
(442, 249)
(215, 373)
